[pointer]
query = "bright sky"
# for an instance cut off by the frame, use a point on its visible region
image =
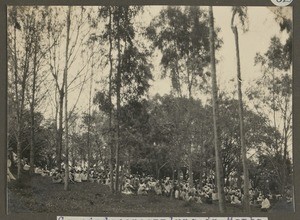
(262, 26)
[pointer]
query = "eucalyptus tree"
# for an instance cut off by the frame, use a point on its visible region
(274, 93)
(241, 12)
(65, 85)
(181, 35)
(129, 67)
(214, 92)
(79, 31)
(38, 84)
(20, 55)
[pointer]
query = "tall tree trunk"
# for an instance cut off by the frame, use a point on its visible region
(191, 178)
(242, 132)
(178, 174)
(118, 91)
(20, 98)
(60, 128)
(190, 160)
(66, 186)
(32, 131)
(111, 168)
(21, 107)
(18, 139)
(89, 114)
(285, 157)
(219, 170)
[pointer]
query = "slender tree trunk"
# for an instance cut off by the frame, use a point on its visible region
(56, 128)
(178, 174)
(241, 117)
(118, 116)
(173, 182)
(18, 139)
(89, 113)
(66, 186)
(111, 167)
(191, 177)
(73, 157)
(32, 131)
(215, 113)
(118, 91)
(20, 99)
(60, 128)
(284, 167)
(21, 110)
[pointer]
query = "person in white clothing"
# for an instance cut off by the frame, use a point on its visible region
(265, 205)
(77, 177)
(9, 174)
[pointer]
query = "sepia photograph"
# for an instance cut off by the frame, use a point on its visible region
(149, 109)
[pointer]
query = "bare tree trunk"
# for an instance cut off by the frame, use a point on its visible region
(66, 186)
(178, 174)
(21, 109)
(111, 168)
(242, 132)
(17, 98)
(215, 113)
(118, 91)
(191, 178)
(60, 128)
(173, 182)
(89, 114)
(32, 131)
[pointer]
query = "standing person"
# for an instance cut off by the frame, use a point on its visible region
(9, 174)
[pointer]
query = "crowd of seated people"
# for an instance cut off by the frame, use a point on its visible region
(144, 185)
(199, 193)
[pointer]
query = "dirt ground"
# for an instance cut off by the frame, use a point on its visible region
(38, 194)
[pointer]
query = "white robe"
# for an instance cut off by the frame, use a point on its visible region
(265, 204)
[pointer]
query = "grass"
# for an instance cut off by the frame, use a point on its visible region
(39, 194)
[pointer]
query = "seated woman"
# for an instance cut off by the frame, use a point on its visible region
(198, 198)
(227, 198)
(44, 173)
(95, 176)
(265, 205)
(26, 167)
(176, 193)
(235, 200)
(77, 177)
(158, 189)
(142, 189)
(188, 197)
(168, 188)
(259, 199)
(182, 194)
(84, 176)
(128, 189)
(57, 178)
(38, 170)
(214, 196)
(107, 181)
(208, 197)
